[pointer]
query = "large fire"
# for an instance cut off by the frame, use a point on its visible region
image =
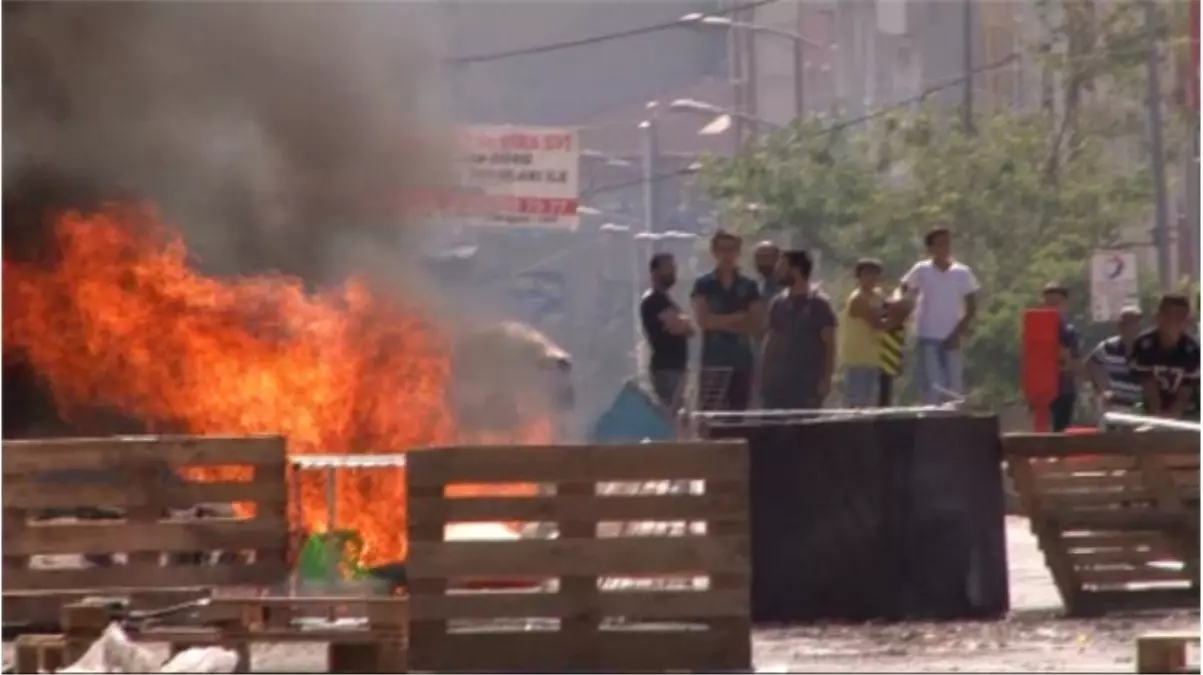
(120, 319)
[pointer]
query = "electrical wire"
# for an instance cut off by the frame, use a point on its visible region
(836, 126)
(861, 119)
(581, 42)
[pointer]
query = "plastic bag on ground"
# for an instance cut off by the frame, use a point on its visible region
(114, 652)
(202, 660)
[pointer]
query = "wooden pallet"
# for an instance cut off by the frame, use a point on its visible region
(375, 645)
(137, 488)
(1165, 653)
(610, 588)
(1116, 515)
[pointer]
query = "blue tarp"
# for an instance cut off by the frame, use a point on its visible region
(632, 417)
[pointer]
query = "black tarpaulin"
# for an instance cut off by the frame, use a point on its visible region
(876, 518)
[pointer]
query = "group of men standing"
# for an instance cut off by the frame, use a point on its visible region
(1154, 371)
(774, 341)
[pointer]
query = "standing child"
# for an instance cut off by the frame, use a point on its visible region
(860, 342)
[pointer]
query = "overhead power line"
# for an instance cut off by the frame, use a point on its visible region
(581, 42)
(836, 126)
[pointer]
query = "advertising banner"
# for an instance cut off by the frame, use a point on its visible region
(513, 176)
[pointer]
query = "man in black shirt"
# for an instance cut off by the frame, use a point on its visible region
(1166, 360)
(667, 330)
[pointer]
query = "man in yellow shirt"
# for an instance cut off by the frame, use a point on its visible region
(860, 346)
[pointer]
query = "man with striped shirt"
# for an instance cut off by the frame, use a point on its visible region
(1114, 382)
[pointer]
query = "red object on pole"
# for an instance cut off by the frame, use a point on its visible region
(1041, 362)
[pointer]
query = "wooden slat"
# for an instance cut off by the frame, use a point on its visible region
(1130, 480)
(649, 605)
(564, 464)
(1064, 445)
(1109, 576)
(1156, 540)
(1048, 535)
(613, 651)
(611, 557)
(1076, 465)
(43, 607)
(581, 509)
(22, 491)
(1135, 600)
(215, 636)
(267, 572)
(210, 534)
(30, 456)
(1120, 520)
(1122, 556)
(1062, 501)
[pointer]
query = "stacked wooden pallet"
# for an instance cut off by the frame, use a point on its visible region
(619, 603)
(1116, 515)
(115, 517)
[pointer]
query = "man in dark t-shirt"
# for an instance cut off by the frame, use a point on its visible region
(730, 314)
(1166, 360)
(667, 331)
(799, 350)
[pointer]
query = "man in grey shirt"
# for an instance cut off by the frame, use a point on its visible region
(799, 349)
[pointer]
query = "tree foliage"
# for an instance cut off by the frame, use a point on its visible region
(1030, 195)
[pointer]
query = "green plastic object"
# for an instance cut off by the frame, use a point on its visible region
(331, 555)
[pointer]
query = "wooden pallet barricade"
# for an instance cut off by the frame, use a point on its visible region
(1165, 653)
(141, 547)
(601, 618)
(1116, 516)
(374, 644)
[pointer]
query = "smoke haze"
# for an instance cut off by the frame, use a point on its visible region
(276, 135)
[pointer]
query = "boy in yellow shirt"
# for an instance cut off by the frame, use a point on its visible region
(860, 344)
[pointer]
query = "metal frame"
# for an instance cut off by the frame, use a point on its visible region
(1146, 422)
(715, 418)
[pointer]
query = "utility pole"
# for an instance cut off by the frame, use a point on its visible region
(650, 150)
(799, 73)
(1161, 227)
(968, 29)
(735, 66)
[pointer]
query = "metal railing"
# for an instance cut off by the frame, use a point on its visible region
(1146, 422)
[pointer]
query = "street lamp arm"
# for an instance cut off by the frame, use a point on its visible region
(690, 105)
(699, 19)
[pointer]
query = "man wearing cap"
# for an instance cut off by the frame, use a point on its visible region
(1061, 410)
(1115, 385)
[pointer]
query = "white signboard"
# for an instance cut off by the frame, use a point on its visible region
(1112, 283)
(517, 176)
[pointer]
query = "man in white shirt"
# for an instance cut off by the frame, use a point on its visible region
(947, 302)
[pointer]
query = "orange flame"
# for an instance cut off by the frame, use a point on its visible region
(122, 320)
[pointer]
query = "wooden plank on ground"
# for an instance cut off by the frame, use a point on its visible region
(31, 456)
(570, 463)
(209, 534)
(43, 607)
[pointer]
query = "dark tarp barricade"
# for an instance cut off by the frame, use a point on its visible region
(875, 518)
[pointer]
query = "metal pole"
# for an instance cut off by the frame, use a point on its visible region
(651, 192)
(735, 65)
(1161, 227)
(799, 73)
(967, 29)
(1191, 240)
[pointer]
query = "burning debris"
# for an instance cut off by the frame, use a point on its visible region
(275, 140)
